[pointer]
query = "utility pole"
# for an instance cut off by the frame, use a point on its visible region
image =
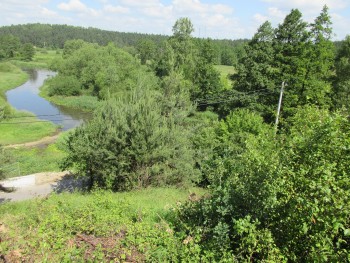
(279, 105)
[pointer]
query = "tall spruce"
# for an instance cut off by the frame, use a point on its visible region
(341, 96)
(291, 57)
(320, 64)
(256, 71)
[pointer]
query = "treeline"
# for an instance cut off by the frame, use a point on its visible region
(54, 36)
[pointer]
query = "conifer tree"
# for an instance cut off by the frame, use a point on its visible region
(341, 97)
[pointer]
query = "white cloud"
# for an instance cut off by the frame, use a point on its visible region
(259, 18)
(116, 9)
(342, 25)
(20, 12)
(77, 6)
(140, 4)
(46, 12)
(73, 5)
(159, 11)
(315, 5)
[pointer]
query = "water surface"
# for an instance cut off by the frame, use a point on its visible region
(26, 97)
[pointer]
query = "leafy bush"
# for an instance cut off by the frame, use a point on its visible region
(64, 85)
(285, 201)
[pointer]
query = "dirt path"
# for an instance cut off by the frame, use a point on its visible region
(40, 143)
(40, 185)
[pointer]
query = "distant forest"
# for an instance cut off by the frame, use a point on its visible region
(54, 36)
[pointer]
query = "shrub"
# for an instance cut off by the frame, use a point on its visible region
(64, 85)
(284, 200)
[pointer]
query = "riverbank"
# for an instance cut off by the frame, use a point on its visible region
(18, 126)
(84, 102)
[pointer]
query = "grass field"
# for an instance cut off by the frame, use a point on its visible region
(225, 72)
(42, 59)
(96, 227)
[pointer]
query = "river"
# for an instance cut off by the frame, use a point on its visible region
(26, 97)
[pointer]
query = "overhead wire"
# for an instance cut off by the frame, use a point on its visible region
(208, 101)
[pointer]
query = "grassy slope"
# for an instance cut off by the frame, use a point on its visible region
(11, 77)
(63, 227)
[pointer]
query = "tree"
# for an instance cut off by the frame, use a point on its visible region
(9, 45)
(130, 144)
(320, 63)
(183, 28)
(146, 49)
(341, 97)
(27, 52)
(290, 45)
(257, 72)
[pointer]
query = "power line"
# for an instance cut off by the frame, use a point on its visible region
(236, 93)
(212, 102)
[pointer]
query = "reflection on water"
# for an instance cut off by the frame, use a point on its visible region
(26, 98)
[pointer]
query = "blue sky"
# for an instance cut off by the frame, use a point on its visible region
(216, 19)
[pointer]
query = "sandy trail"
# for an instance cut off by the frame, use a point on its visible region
(40, 185)
(40, 143)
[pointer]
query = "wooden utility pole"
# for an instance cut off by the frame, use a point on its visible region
(279, 105)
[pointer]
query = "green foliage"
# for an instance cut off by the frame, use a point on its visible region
(27, 52)
(94, 70)
(183, 28)
(296, 53)
(146, 49)
(130, 144)
(220, 145)
(342, 81)
(9, 46)
(194, 60)
(285, 198)
(64, 86)
(99, 226)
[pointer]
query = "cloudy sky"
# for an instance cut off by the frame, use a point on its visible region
(230, 19)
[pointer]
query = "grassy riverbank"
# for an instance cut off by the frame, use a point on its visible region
(83, 102)
(96, 227)
(18, 126)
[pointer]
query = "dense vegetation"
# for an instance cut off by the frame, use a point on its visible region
(167, 117)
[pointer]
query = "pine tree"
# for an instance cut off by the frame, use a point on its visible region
(341, 97)
(256, 72)
(130, 144)
(291, 46)
(320, 64)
